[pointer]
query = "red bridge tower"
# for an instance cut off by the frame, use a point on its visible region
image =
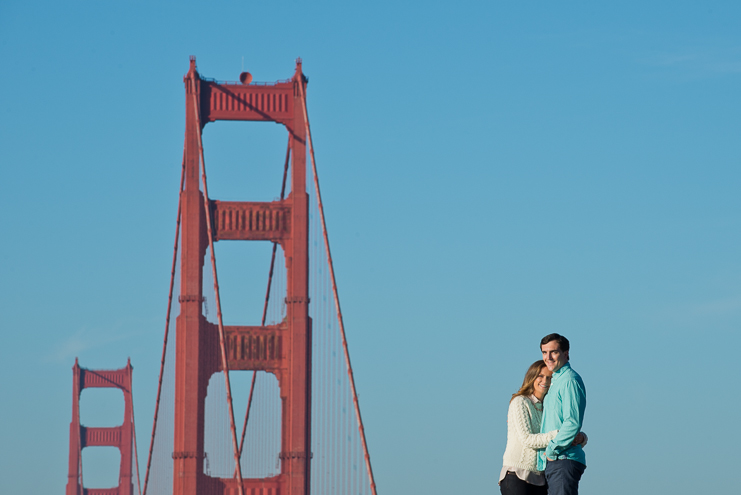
(283, 349)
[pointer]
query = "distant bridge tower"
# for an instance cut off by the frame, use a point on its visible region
(81, 436)
(283, 349)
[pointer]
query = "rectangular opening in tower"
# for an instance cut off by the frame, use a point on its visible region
(101, 467)
(245, 160)
(262, 439)
(102, 407)
(244, 272)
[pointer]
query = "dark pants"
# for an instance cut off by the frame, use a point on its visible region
(563, 476)
(512, 485)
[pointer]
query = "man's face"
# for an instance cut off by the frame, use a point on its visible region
(553, 356)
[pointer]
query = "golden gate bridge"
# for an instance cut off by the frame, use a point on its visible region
(301, 431)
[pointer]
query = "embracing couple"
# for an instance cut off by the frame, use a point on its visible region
(544, 453)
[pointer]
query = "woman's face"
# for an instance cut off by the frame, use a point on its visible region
(543, 382)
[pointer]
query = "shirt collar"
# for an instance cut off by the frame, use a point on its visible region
(561, 370)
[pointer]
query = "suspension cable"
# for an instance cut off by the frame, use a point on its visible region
(133, 427)
(167, 324)
(335, 292)
(222, 340)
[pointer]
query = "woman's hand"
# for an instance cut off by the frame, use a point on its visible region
(580, 439)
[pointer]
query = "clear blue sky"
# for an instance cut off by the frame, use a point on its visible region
(492, 172)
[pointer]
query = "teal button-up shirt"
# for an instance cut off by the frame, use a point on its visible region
(563, 410)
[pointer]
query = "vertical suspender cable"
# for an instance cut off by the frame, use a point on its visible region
(336, 296)
(167, 325)
(222, 340)
(79, 454)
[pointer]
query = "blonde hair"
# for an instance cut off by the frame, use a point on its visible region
(528, 384)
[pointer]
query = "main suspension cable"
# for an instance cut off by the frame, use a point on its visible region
(167, 323)
(133, 426)
(335, 292)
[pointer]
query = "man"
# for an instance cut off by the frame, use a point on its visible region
(563, 410)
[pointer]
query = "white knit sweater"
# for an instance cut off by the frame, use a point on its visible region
(523, 437)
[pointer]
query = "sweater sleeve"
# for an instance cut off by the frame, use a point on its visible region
(519, 417)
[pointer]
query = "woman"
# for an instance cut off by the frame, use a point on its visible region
(519, 474)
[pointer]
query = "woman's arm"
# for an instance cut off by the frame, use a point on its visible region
(519, 417)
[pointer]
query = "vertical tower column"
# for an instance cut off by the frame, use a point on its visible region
(74, 483)
(297, 414)
(191, 379)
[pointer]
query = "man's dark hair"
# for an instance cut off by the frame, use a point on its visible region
(563, 342)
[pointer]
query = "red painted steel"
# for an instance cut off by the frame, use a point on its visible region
(81, 436)
(204, 348)
(284, 349)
